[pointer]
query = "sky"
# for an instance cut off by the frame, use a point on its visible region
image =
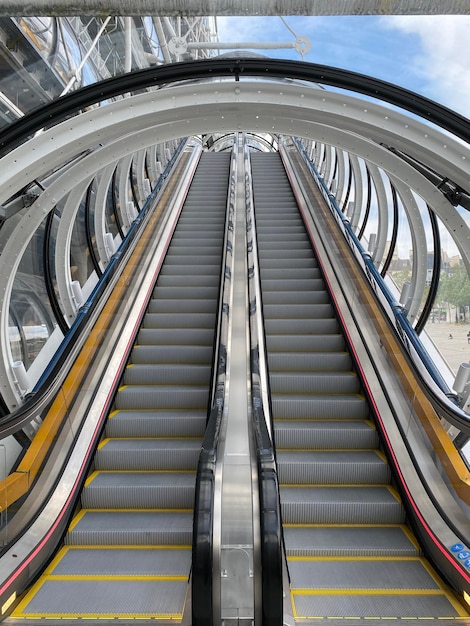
(427, 54)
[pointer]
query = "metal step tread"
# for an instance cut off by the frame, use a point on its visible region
(332, 434)
(297, 311)
(373, 573)
(157, 423)
(148, 454)
(173, 353)
(342, 541)
(355, 504)
(376, 606)
(294, 297)
(131, 527)
(304, 343)
(164, 374)
(321, 406)
(183, 320)
(107, 598)
(140, 489)
(117, 561)
(334, 467)
(320, 361)
(314, 382)
(300, 326)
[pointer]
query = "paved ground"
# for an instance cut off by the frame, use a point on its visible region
(451, 341)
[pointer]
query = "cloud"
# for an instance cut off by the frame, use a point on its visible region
(441, 62)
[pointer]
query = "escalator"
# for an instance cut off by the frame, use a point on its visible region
(127, 552)
(350, 553)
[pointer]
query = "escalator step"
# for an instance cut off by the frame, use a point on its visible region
(188, 305)
(147, 454)
(324, 361)
(310, 312)
(120, 528)
(341, 505)
(181, 320)
(122, 562)
(172, 354)
(305, 343)
(192, 293)
(319, 407)
(376, 606)
(314, 382)
(108, 599)
(342, 467)
(293, 297)
(322, 541)
(162, 397)
(179, 374)
(157, 423)
(302, 326)
(133, 490)
(177, 336)
(320, 435)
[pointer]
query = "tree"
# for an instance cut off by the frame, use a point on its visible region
(454, 288)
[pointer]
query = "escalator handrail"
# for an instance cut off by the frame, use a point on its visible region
(39, 399)
(268, 484)
(441, 396)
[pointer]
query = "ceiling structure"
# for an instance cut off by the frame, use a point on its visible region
(179, 8)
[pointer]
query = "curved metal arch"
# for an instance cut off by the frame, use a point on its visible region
(419, 245)
(256, 106)
(382, 213)
(267, 68)
(63, 245)
(105, 179)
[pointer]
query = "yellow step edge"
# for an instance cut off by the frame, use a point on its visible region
(369, 592)
(175, 617)
(118, 577)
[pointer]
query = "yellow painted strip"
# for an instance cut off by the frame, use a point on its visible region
(111, 578)
(84, 511)
(182, 438)
(19, 482)
(452, 463)
(102, 616)
(368, 592)
(154, 547)
(130, 472)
